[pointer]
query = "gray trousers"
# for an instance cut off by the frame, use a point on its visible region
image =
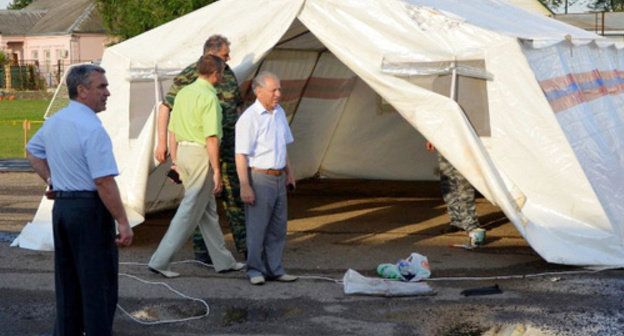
(198, 207)
(266, 225)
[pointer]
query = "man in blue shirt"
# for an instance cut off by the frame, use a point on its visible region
(264, 172)
(73, 153)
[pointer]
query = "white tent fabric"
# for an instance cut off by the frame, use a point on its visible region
(545, 144)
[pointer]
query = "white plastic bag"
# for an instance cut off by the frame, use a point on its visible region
(355, 283)
(418, 266)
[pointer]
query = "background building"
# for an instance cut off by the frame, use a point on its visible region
(53, 34)
(607, 24)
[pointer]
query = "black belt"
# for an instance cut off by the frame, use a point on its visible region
(75, 194)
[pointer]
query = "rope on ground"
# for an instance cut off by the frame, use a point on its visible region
(174, 291)
(482, 278)
(324, 278)
(518, 276)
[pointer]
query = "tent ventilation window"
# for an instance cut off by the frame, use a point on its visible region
(465, 81)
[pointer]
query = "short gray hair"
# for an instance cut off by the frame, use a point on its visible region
(260, 80)
(214, 43)
(79, 75)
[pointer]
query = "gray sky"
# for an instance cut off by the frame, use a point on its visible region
(4, 3)
(576, 8)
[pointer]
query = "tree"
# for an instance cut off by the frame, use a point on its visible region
(595, 5)
(556, 4)
(607, 5)
(19, 4)
(4, 58)
(128, 18)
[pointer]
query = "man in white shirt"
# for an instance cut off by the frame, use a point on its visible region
(264, 171)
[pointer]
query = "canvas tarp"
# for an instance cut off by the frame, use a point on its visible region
(545, 144)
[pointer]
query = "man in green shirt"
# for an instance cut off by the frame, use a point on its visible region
(231, 102)
(196, 130)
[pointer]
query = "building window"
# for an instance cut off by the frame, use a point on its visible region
(47, 55)
(34, 54)
(61, 53)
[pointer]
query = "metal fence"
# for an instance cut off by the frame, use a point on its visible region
(14, 135)
(21, 77)
(33, 75)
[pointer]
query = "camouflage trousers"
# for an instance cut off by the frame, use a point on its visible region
(232, 203)
(459, 196)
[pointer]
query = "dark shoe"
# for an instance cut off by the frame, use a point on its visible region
(203, 257)
(166, 274)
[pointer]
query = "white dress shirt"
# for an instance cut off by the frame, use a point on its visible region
(262, 136)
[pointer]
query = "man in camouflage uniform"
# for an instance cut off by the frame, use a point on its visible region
(458, 194)
(231, 101)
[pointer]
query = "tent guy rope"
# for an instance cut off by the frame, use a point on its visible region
(316, 277)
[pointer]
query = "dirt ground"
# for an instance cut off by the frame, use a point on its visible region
(333, 226)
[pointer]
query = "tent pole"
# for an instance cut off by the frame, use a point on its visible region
(453, 79)
(157, 91)
(292, 38)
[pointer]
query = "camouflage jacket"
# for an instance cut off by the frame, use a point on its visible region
(228, 92)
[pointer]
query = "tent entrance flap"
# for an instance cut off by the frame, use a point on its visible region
(342, 128)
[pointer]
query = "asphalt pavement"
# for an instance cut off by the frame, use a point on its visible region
(333, 226)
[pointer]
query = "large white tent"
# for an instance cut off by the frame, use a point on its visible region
(529, 109)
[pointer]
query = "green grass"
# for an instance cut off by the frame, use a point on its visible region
(12, 115)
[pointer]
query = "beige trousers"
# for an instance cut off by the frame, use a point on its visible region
(198, 208)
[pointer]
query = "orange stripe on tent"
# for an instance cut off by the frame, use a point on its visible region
(567, 102)
(556, 83)
(319, 88)
(329, 88)
(292, 89)
(567, 91)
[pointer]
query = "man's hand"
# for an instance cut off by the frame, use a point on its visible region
(247, 194)
(163, 121)
(174, 168)
(161, 152)
(125, 235)
(290, 181)
(218, 184)
(430, 147)
(49, 193)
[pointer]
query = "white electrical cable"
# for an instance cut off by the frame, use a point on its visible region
(517, 276)
(315, 277)
(174, 291)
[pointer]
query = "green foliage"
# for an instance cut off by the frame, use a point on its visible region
(607, 5)
(34, 81)
(23, 78)
(595, 5)
(19, 4)
(12, 115)
(3, 58)
(555, 5)
(128, 18)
